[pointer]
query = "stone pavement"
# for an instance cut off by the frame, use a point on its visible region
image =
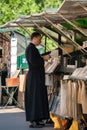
(14, 119)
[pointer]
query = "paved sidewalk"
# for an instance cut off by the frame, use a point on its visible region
(14, 119)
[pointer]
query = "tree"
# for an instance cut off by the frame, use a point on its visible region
(11, 9)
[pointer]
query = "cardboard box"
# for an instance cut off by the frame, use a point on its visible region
(22, 79)
(21, 99)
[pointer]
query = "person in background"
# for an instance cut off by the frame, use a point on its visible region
(36, 100)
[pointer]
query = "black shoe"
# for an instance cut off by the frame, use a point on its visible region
(40, 123)
(35, 125)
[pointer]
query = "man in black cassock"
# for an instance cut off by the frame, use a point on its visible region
(36, 100)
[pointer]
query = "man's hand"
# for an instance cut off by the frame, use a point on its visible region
(46, 57)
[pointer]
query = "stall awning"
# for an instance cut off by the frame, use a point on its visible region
(70, 9)
(4, 30)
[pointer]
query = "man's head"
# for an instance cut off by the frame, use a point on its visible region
(36, 38)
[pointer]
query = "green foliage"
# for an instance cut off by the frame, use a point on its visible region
(51, 45)
(11, 9)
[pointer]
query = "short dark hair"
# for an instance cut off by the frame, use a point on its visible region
(35, 34)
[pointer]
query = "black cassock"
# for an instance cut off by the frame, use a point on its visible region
(36, 101)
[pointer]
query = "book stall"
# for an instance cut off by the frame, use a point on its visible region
(66, 70)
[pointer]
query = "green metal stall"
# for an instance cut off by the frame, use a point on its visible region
(21, 59)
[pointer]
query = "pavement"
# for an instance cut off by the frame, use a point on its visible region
(12, 118)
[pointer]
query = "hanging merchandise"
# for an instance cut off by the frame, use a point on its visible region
(84, 97)
(79, 102)
(54, 104)
(51, 101)
(63, 109)
(58, 103)
(69, 98)
(79, 91)
(74, 99)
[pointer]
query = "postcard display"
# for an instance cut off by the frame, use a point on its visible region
(79, 78)
(50, 67)
(71, 99)
(57, 92)
(71, 102)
